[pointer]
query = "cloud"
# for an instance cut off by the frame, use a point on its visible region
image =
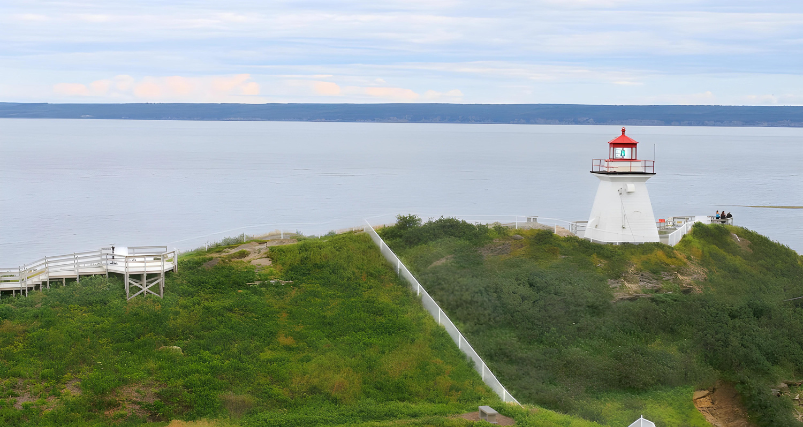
(96, 88)
(392, 93)
(250, 89)
(31, 17)
(232, 88)
(123, 83)
(148, 90)
(71, 89)
(100, 87)
(327, 88)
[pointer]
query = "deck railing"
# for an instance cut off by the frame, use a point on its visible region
(147, 259)
(622, 166)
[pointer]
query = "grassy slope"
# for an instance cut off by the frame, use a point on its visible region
(540, 311)
(343, 344)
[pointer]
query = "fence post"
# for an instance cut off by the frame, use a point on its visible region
(398, 266)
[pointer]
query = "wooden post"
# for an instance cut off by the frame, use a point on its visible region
(162, 280)
(77, 272)
(126, 277)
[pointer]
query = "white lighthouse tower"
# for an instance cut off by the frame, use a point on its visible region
(622, 212)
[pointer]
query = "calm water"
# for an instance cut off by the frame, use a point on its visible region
(71, 185)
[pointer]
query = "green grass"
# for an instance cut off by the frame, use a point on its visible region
(344, 343)
(542, 312)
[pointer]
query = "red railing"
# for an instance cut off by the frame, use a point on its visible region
(622, 166)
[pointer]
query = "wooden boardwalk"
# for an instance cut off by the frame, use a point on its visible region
(143, 269)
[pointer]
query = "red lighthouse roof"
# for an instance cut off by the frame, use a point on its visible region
(623, 139)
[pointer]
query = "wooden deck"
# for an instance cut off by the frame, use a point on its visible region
(143, 269)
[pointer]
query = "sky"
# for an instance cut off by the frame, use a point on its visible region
(712, 52)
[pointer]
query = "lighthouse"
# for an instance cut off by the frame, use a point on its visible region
(622, 212)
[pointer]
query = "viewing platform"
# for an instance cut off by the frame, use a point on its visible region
(613, 166)
(143, 269)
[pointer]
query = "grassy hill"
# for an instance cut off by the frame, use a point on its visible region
(611, 332)
(325, 335)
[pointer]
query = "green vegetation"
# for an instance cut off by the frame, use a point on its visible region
(323, 336)
(612, 332)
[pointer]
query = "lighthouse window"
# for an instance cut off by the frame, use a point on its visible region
(622, 153)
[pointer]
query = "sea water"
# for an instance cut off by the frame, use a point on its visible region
(75, 185)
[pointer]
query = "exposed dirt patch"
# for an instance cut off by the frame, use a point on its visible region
(72, 386)
(133, 398)
(24, 395)
(690, 276)
(262, 262)
(211, 263)
(256, 253)
(634, 284)
(501, 420)
(496, 248)
(722, 406)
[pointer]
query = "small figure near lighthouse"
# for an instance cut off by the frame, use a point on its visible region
(622, 212)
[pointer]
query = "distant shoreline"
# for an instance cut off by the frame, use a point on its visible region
(547, 114)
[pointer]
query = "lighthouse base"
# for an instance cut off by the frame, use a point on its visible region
(622, 211)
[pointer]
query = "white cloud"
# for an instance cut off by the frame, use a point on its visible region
(392, 93)
(327, 88)
(615, 51)
(71, 89)
(234, 88)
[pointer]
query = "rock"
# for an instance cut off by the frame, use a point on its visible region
(699, 394)
(516, 237)
(172, 349)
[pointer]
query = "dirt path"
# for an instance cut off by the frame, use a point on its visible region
(722, 406)
(501, 420)
(257, 252)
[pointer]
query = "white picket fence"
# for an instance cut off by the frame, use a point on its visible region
(437, 313)
(674, 237)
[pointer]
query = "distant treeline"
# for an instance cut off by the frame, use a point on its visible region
(564, 114)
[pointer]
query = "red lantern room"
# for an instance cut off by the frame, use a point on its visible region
(622, 158)
(622, 148)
